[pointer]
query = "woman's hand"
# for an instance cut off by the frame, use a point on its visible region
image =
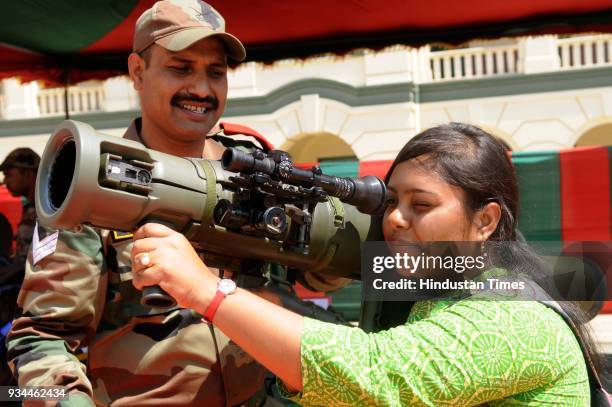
(271, 334)
(161, 256)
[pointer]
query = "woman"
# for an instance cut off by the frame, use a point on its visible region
(451, 183)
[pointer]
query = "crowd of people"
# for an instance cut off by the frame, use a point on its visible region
(453, 182)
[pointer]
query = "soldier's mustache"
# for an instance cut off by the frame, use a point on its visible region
(177, 99)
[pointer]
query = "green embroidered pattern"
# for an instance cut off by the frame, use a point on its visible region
(463, 353)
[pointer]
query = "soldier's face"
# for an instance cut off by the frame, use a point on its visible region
(18, 180)
(183, 94)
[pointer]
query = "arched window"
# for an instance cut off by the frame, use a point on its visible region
(314, 147)
(600, 135)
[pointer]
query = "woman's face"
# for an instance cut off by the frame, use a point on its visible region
(427, 208)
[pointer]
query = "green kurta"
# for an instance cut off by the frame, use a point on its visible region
(449, 353)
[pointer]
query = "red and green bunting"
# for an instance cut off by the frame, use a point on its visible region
(73, 40)
(564, 195)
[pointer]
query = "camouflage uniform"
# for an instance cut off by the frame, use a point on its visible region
(11, 276)
(82, 295)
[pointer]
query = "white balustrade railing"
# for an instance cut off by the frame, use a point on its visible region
(476, 62)
(80, 100)
(585, 51)
(505, 58)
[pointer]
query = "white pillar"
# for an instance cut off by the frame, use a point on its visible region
(20, 99)
(118, 94)
(309, 113)
(391, 65)
(421, 64)
(538, 54)
(242, 81)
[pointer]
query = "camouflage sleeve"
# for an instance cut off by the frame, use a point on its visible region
(59, 309)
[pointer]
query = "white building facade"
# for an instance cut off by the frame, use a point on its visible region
(536, 93)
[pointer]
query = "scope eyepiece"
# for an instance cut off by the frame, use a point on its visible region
(370, 195)
(235, 160)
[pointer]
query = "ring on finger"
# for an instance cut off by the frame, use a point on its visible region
(145, 260)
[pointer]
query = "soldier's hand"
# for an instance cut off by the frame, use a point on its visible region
(161, 256)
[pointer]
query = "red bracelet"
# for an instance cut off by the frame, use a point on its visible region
(211, 310)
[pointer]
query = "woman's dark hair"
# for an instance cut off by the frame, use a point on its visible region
(471, 159)
(477, 162)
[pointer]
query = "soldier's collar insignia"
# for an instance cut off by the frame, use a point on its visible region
(119, 236)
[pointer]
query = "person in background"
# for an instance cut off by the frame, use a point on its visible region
(19, 167)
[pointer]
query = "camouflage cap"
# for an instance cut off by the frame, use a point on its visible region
(21, 158)
(178, 24)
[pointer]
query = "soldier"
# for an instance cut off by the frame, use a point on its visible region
(81, 294)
